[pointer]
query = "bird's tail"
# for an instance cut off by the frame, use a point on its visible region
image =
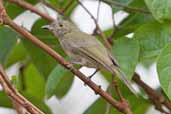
(116, 70)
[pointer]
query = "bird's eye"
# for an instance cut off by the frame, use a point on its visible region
(60, 25)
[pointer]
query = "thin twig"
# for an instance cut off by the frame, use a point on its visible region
(131, 9)
(157, 99)
(115, 83)
(119, 106)
(114, 26)
(97, 26)
(98, 10)
(14, 95)
(108, 106)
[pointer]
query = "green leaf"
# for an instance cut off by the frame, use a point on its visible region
(160, 9)
(116, 8)
(33, 82)
(59, 81)
(8, 39)
(18, 53)
(164, 69)
(131, 23)
(138, 4)
(12, 10)
(152, 37)
(5, 101)
(126, 52)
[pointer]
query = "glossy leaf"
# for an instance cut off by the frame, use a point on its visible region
(126, 52)
(8, 39)
(160, 9)
(58, 81)
(164, 69)
(18, 53)
(152, 37)
(33, 82)
(5, 101)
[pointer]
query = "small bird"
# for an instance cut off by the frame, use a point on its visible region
(85, 49)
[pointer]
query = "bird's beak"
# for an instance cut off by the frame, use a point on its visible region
(47, 27)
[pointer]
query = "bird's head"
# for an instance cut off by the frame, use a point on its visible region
(60, 27)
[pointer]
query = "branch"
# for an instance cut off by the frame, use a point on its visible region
(28, 6)
(7, 21)
(14, 95)
(19, 108)
(158, 100)
(97, 26)
(131, 9)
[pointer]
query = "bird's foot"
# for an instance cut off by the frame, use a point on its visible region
(90, 77)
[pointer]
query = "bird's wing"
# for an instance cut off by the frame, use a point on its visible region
(90, 47)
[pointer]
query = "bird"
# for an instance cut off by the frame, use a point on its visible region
(85, 49)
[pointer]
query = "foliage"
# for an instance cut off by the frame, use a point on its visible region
(42, 77)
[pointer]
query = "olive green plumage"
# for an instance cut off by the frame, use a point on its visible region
(85, 49)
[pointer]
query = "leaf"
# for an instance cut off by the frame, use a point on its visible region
(58, 81)
(8, 39)
(131, 23)
(18, 53)
(138, 4)
(5, 101)
(33, 82)
(152, 37)
(126, 52)
(164, 69)
(160, 9)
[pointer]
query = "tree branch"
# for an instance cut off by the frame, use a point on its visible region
(157, 99)
(14, 95)
(119, 106)
(19, 108)
(28, 6)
